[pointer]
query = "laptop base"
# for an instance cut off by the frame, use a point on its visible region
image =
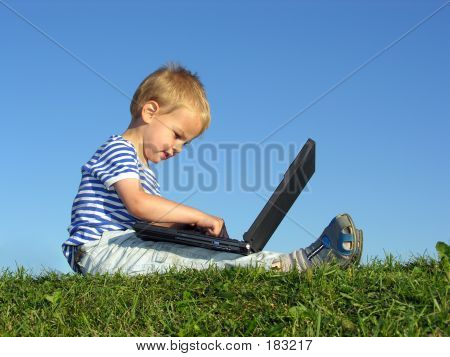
(146, 231)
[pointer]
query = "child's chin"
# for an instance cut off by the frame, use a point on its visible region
(156, 159)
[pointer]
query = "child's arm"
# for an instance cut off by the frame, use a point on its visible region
(156, 209)
(171, 225)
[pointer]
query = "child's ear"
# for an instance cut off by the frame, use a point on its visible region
(149, 110)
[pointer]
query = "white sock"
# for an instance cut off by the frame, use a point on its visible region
(295, 260)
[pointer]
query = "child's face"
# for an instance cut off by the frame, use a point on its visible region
(165, 134)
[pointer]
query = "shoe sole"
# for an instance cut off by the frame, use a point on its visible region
(355, 257)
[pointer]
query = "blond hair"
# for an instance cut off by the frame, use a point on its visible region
(172, 87)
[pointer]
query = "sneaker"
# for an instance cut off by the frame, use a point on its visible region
(340, 242)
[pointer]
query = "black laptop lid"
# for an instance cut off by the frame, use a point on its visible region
(294, 181)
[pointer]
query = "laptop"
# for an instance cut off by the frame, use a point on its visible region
(256, 237)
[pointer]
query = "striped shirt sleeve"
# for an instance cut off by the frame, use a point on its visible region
(118, 161)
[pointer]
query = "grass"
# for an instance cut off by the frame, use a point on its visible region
(382, 298)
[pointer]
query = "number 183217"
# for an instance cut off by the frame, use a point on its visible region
(289, 345)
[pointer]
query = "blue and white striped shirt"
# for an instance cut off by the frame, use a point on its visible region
(97, 207)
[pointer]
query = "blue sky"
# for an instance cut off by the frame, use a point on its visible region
(68, 70)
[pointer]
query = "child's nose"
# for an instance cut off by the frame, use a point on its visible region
(177, 148)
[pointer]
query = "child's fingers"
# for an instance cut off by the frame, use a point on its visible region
(211, 231)
(218, 227)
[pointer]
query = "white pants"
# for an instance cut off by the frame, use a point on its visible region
(123, 251)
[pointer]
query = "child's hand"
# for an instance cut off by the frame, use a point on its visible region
(211, 224)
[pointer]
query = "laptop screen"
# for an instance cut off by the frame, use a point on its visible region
(292, 184)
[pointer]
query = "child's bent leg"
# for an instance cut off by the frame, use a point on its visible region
(123, 251)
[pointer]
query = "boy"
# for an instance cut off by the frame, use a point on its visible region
(169, 109)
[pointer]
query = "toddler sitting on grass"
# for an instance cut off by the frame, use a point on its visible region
(168, 110)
